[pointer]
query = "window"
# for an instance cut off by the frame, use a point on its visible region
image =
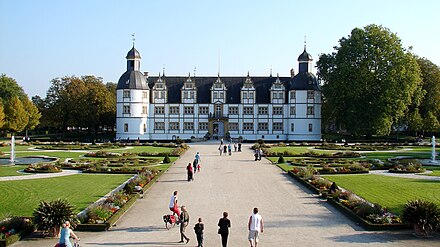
(277, 126)
(191, 95)
(174, 110)
(188, 110)
(262, 126)
(292, 127)
(262, 110)
(248, 110)
(126, 94)
(217, 85)
(203, 110)
(310, 127)
(126, 127)
(185, 95)
(159, 125)
(188, 125)
(144, 94)
(280, 95)
(251, 95)
(174, 125)
(159, 110)
(293, 94)
(233, 126)
(221, 95)
(310, 94)
(245, 95)
(145, 127)
(292, 110)
(144, 109)
(277, 95)
(203, 126)
(310, 110)
(156, 95)
(233, 110)
(248, 126)
(162, 95)
(215, 95)
(277, 110)
(126, 109)
(158, 85)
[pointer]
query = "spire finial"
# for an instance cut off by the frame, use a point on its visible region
(278, 75)
(248, 74)
(271, 71)
(305, 42)
(133, 38)
(195, 68)
(163, 70)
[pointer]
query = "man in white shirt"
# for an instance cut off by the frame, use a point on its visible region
(255, 226)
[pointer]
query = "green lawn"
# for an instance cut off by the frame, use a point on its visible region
(435, 170)
(6, 171)
(390, 192)
(21, 197)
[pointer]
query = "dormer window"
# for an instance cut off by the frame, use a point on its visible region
(248, 91)
(218, 91)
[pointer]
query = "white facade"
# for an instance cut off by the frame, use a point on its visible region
(292, 112)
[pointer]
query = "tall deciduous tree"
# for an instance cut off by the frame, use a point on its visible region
(430, 123)
(369, 80)
(2, 114)
(10, 88)
(33, 114)
(16, 116)
(431, 84)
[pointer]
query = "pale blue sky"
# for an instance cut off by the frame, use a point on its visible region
(44, 39)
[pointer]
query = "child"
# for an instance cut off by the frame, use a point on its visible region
(198, 167)
(198, 229)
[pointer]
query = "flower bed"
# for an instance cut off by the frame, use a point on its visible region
(102, 154)
(103, 216)
(369, 216)
(13, 229)
(43, 168)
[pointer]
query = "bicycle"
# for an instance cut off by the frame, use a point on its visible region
(169, 220)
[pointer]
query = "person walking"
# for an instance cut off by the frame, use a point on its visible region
(184, 221)
(229, 149)
(190, 172)
(224, 224)
(173, 204)
(225, 149)
(239, 147)
(235, 147)
(220, 149)
(195, 165)
(255, 226)
(65, 235)
(198, 229)
(221, 142)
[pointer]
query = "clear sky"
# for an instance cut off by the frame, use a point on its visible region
(44, 39)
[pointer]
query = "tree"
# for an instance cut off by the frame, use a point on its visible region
(431, 123)
(415, 121)
(2, 114)
(33, 114)
(431, 84)
(369, 81)
(10, 88)
(16, 116)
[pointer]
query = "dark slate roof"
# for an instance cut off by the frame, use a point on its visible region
(305, 56)
(133, 53)
(233, 84)
(304, 81)
(132, 80)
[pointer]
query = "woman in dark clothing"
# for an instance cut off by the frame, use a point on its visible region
(190, 172)
(224, 224)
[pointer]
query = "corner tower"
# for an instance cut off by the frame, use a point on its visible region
(132, 101)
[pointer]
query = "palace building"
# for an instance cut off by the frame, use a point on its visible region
(249, 108)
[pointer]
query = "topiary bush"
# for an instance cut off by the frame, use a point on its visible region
(166, 159)
(51, 215)
(281, 160)
(423, 215)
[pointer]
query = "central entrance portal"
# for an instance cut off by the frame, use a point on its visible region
(218, 129)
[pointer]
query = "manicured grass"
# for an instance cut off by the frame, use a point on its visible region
(17, 148)
(138, 149)
(6, 171)
(300, 149)
(390, 192)
(21, 197)
(435, 171)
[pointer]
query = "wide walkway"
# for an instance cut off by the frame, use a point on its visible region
(237, 184)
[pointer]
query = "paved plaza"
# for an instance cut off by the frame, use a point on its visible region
(292, 215)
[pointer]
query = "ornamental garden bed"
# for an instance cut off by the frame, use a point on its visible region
(13, 229)
(371, 217)
(42, 168)
(103, 216)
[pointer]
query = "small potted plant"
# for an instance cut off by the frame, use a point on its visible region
(424, 216)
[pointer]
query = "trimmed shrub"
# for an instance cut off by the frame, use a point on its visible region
(166, 159)
(281, 160)
(51, 215)
(423, 215)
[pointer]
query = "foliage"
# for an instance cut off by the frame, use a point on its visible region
(16, 116)
(430, 123)
(83, 102)
(102, 154)
(53, 214)
(166, 159)
(2, 114)
(281, 160)
(425, 214)
(369, 81)
(33, 114)
(431, 85)
(43, 168)
(9, 88)
(13, 225)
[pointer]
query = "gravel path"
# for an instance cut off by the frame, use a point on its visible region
(293, 216)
